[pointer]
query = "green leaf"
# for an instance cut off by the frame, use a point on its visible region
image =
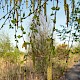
(19, 36)
(32, 28)
(63, 38)
(74, 34)
(3, 17)
(78, 30)
(35, 30)
(51, 14)
(35, 16)
(57, 8)
(23, 14)
(25, 44)
(24, 32)
(29, 34)
(16, 41)
(68, 31)
(22, 28)
(53, 8)
(54, 20)
(78, 20)
(13, 21)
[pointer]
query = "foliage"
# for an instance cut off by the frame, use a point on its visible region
(16, 12)
(12, 67)
(5, 44)
(76, 50)
(12, 57)
(42, 49)
(71, 34)
(61, 51)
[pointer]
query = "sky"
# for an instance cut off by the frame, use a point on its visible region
(61, 20)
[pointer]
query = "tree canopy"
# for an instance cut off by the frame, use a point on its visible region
(15, 13)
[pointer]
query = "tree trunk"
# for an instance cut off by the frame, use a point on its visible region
(49, 71)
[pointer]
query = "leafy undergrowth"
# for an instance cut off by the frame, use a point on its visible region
(22, 68)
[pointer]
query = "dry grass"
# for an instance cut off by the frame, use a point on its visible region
(58, 66)
(73, 59)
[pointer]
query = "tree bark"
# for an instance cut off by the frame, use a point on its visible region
(49, 71)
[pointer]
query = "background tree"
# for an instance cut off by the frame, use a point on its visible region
(41, 48)
(10, 58)
(76, 50)
(5, 44)
(61, 51)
